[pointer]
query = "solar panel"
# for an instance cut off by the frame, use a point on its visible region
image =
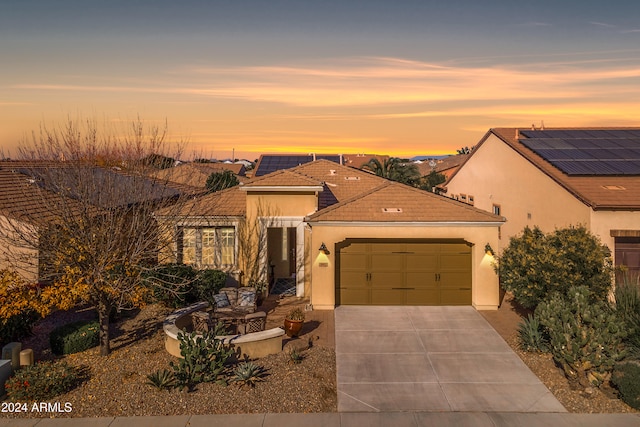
(271, 163)
(587, 152)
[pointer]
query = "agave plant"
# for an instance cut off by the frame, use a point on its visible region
(161, 379)
(248, 373)
(532, 335)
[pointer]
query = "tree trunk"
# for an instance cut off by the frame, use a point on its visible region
(103, 316)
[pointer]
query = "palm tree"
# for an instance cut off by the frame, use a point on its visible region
(394, 169)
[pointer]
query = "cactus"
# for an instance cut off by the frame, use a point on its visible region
(585, 337)
(203, 358)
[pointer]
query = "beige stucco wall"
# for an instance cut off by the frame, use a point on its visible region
(290, 204)
(485, 293)
(496, 174)
(602, 222)
(17, 248)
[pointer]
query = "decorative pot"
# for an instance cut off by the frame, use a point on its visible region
(292, 327)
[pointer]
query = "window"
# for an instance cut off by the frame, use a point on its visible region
(496, 209)
(207, 246)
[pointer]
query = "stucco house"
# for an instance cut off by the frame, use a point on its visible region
(554, 178)
(346, 237)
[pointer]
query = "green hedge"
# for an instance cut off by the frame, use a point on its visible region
(626, 377)
(75, 337)
(42, 381)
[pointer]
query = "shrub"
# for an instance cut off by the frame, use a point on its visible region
(585, 338)
(178, 285)
(42, 381)
(203, 358)
(532, 335)
(296, 314)
(626, 378)
(536, 265)
(75, 337)
(295, 356)
(172, 284)
(208, 284)
(627, 296)
(248, 373)
(18, 326)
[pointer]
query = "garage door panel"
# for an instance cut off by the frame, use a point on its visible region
(457, 261)
(420, 280)
(455, 279)
(386, 247)
(386, 279)
(387, 296)
(352, 296)
(421, 262)
(460, 296)
(351, 279)
(353, 261)
(386, 262)
(429, 296)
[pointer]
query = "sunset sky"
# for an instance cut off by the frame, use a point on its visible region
(389, 77)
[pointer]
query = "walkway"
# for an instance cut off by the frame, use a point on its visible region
(430, 359)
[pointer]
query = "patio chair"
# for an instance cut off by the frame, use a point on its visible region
(253, 322)
(201, 321)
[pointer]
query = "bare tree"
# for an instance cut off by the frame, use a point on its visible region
(84, 222)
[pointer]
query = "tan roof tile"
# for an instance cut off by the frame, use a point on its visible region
(394, 202)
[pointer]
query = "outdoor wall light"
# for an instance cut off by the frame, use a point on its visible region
(323, 248)
(488, 249)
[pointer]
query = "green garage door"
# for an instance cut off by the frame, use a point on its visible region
(404, 274)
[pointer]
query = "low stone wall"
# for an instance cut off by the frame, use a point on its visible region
(253, 345)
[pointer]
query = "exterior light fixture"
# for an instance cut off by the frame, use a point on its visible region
(488, 249)
(323, 248)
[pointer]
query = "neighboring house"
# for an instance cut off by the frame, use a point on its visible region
(445, 166)
(196, 174)
(359, 160)
(555, 178)
(35, 196)
(347, 237)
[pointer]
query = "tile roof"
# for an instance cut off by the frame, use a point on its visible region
(226, 203)
(393, 202)
(342, 182)
(196, 174)
(283, 178)
(22, 199)
(594, 191)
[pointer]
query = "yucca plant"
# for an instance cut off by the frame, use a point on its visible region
(248, 373)
(532, 335)
(162, 379)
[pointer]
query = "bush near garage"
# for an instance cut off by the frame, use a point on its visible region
(536, 265)
(75, 337)
(585, 337)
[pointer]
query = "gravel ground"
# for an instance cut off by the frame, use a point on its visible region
(117, 384)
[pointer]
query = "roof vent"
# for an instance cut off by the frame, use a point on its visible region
(613, 187)
(392, 210)
(352, 178)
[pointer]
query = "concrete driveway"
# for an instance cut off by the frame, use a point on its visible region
(430, 359)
